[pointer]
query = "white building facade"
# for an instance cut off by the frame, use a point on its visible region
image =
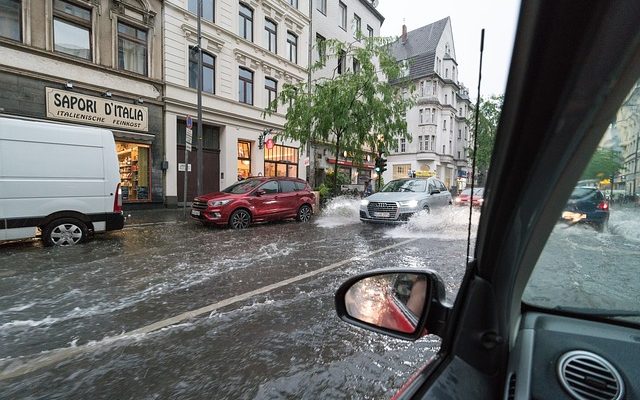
(250, 50)
(439, 122)
(341, 20)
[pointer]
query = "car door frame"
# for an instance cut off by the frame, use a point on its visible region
(289, 200)
(264, 213)
(571, 69)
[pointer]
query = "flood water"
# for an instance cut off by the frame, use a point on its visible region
(282, 343)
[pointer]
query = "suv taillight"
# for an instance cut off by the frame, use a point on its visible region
(117, 202)
(604, 205)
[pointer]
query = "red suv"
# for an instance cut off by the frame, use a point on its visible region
(256, 200)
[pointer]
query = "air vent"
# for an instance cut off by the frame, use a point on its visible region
(587, 376)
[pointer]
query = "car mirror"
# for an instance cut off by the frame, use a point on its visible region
(260, 192)
(406, 304)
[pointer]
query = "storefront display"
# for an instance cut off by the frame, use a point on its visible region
(281, 161)
(244, 160)
(134, 171)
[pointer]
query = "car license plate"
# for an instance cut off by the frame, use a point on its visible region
(195, 213)
(381, 214)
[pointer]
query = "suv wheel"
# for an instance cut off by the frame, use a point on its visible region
(64, 232)
(304, 213)
(240, 219)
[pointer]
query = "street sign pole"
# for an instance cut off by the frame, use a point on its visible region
(199, 138)
(187, 149)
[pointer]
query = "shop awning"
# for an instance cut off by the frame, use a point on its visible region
(134, 137)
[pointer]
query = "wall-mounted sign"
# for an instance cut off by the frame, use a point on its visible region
(70, 106)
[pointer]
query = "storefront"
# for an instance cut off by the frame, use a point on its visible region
(281, 161)
(134, 171)
(244, 159)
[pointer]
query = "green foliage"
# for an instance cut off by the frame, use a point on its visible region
(342, 179)
(605, 163)
(355, 110)
(488, 119)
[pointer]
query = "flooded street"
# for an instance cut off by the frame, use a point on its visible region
(107, 319)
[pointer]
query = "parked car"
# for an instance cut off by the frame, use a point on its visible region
(401, 198)
(541, 313)
(464, 197)
(256, 199)
(587, 205)
(57, 181)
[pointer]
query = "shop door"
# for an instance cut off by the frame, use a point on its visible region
(211, 167)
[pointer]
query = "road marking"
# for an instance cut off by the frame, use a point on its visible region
(15, 367)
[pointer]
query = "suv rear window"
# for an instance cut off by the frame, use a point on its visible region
(287, 186)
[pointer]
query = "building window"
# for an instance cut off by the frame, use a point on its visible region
(208, 9)
(132, 49)
(370, 31)
(422, 88)
(420, 143)
(421, 116)
(458, 155)
(357, 25)
(446, 73)
(342, 61)
(246, 22)
(11, 19)
(433, 143)
(244, 160)
(281, 161)
(343, 16)
(433, 115)
(293, 3)
(292, 47)
(446, 99)
(444, 126)
(444, 149)
(321, 47)
(426, 143)
(245, 86)
(134, 171)
(72, 29)
(356, 65)
(271, 35)
(434, 86)
(459, 133)
(322, 6)
(271, 87)
(403, 145)
(450, 148)
(208, 71)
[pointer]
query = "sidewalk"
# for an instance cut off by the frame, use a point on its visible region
(136, 217)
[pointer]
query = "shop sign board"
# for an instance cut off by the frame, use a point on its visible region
(77, 107)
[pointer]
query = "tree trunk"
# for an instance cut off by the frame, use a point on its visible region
(335, 167)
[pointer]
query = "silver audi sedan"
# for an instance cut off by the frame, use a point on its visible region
(401, 198)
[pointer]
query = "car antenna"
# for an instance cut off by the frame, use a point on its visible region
(475, 147)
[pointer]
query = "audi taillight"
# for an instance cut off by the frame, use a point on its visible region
(117, 202)
(603, 206)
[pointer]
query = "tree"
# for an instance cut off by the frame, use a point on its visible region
(605, 164)
(359, 107)
(488, 119)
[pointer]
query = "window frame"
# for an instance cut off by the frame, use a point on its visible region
(20, 24)
(403, 145)
(244, 82)
(322, 50)
(71, 20)
(213, 10)
(357, 25)
(370, 31)
(294, 3)
(322, 7)
(204, 65)
(271, 91)
(292, 47)
(135, 40)
(269, 33)
(343, 16)
(242, 25)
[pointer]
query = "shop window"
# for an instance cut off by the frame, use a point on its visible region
(11, 19)
(134, 171)
(401, 171)
(281, 161)
(72, 29)
(132, 49)
(208, 9)
(244, 160)
(364, 175)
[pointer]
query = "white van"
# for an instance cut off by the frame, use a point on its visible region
(58, 180)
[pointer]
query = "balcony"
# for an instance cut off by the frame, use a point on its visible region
(426, 155)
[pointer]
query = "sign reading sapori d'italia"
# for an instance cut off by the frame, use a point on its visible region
(76, 107)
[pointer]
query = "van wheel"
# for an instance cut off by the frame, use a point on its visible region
(304, 213)
(64, 232)
(240, 219)
(426, 209)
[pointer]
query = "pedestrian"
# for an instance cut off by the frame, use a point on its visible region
(368, 189)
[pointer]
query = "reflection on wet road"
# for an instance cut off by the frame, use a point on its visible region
(284, 343)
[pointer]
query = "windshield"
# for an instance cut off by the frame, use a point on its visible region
(589, 264)
(243, 186)
(406, 185)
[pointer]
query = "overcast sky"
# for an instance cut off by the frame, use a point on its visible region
(468, 17)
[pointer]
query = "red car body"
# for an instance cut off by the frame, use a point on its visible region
(464, 197)
(264, 198)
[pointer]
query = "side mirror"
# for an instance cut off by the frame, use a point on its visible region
(405, 304)
(260, 192)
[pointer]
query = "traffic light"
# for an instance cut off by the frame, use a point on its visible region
(381, 165)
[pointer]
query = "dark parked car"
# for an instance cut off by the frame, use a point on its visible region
(542, 312)
(257, 199)
(587, 205)
(464, 197)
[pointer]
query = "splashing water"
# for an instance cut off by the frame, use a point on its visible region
(340, 211)
(448, 223)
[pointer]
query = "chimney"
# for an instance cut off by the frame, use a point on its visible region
(403, 38)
